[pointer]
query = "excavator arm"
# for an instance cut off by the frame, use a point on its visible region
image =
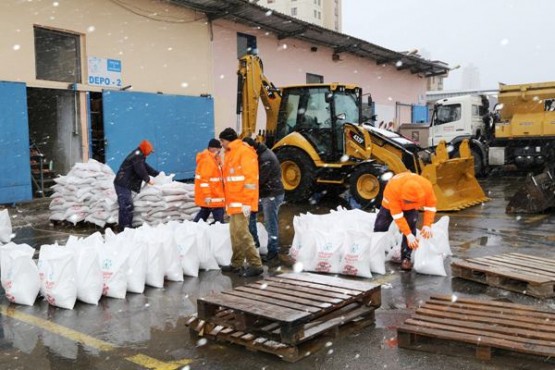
(252, 87)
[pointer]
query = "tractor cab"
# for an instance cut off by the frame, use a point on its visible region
(319, 112)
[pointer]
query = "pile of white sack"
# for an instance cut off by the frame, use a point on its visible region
(86, 269)
(343, 242)
(164, 201)
(87, 193)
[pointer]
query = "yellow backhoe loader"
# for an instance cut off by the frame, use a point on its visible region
(317, 133)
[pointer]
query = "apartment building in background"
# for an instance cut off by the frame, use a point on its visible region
(325, 13)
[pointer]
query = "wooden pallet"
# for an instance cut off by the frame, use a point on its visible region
(289, 315)
(517, 272)
(485, 325)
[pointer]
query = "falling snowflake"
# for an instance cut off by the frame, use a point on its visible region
(16, 47)
(504, 42)
(344, 158)
(184, 84)
(91, 29)
(269, 13)
(398, 64)
(454, 298)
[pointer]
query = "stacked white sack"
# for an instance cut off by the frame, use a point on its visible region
(343, 242)
(166, 200)
(85, 193)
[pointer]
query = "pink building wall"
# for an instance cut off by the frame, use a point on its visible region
(287, 61)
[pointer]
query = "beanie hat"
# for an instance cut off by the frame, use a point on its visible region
(412, 191)
(146, 147)
(228, 134)
(214, 143)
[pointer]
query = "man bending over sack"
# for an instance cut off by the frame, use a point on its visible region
(131, 173)
(403, 196)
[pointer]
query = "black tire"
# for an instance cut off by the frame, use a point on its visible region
(298, 174)
(366, 184)
(479, 167)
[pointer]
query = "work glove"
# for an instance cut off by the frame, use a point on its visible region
(207, 200)
(412, 241)
(426, 232)
(247, 211)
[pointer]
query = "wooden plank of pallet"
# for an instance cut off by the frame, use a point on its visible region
(505, 272)
(470, 301)
(297, 293)
(484, 324)
(544, 267)
(257, 296)
(290, 297)
(331, 281)
(324, 288)
(538, 260)
(293, 353)
(206, 305)
(514, 265)
(284, 284)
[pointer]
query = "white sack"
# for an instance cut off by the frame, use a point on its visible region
(5, 227)
(113, 260)
(19, 274)
(356, 258)
(60, 275)
(220, 243)
(186, 241)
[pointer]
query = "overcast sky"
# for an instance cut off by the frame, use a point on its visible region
(510, 41)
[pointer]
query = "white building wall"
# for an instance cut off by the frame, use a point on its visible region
(286, 62)
(163, 48)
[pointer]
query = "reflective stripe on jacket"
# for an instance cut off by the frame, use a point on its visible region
(208, 181)
(395, 193)
(240, 173)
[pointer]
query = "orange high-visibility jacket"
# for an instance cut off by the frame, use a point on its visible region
(208, 181)
(413, 187)
(240, 173)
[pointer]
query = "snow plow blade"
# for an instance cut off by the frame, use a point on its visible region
(535, 196)
(455, 185)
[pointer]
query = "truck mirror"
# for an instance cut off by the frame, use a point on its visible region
(329, 97)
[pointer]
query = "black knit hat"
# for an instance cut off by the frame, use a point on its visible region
(228, 134)
(214, 143)
(250, 141)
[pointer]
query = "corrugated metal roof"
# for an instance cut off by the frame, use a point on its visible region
(284, 26)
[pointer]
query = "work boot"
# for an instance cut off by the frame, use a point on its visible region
(286, 260)
(230, 268)
(406, 265)
(252, 271)
(268, 257)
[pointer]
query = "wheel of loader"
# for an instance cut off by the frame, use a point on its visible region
(297, 174)
(366, 185)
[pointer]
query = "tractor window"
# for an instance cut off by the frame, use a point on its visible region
(448, 113)
(318, 109)
(346, 102)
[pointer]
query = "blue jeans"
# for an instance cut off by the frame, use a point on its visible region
(125, 202)
(270, 207)
(204, 213)
(384, 219)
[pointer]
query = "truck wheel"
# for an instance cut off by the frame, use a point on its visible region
(478, 163)
(297, 174)
(366, 184)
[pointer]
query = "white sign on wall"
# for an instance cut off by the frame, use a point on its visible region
(104, 72)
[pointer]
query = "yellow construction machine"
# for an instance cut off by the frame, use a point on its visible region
(317, 133)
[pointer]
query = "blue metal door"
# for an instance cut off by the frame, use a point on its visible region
(178, 127)
(15, 182)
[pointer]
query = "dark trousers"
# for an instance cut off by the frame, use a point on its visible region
(204, 213)
(384, 220)
(125, 202)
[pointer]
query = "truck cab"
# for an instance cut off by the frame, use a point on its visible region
(456, 118)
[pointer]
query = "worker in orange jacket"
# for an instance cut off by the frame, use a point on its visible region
(403, 196)
(209, 186)
(240, 173)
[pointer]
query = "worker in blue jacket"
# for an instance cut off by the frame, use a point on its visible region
(132, 172)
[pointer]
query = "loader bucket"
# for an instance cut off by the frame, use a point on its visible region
(455, 185)
(535, 196)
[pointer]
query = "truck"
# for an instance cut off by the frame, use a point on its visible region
(318, 134)
(518, 131)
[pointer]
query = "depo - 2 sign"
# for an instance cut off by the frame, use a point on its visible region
(104, 72)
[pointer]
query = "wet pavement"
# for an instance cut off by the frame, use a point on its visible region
(148, 330)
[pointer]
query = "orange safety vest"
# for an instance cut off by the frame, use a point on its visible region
(208, 181)
(413, 187)
(240, 173)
